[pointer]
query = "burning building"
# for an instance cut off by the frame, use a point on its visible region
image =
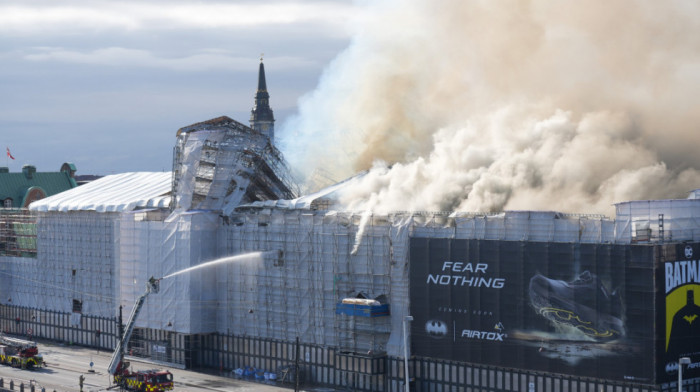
(514, 300)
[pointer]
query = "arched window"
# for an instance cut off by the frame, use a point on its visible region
(7, 203)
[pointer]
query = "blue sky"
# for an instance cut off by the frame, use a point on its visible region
(106, 84)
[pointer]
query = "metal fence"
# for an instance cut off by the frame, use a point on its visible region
(72, 328)
(319, 365)
(430, 375)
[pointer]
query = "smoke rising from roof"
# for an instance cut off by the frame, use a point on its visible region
(487, 106)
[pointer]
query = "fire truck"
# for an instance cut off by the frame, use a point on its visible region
(138, 380)
(19, 353)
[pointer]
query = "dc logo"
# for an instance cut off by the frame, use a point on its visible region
(688, 251)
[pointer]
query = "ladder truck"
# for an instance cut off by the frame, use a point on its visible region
(141, 380)
(19, 353)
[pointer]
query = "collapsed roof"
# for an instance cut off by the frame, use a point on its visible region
(221, 163)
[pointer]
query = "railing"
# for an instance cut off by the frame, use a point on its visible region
(11, 386)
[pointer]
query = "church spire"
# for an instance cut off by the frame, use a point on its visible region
(262, 85)
(261, 117)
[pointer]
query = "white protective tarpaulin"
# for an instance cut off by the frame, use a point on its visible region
(113, 193)
(157, 248)
(77, 255)
(657, 220)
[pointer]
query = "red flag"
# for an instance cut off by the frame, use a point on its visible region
(8, 153)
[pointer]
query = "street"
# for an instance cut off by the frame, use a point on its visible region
(65, 364)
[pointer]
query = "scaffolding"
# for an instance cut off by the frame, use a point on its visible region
(221, 163)
(658, 221)
(329, 256)
(91, 263)
(17, 232)
(298, 294)
(72, 271)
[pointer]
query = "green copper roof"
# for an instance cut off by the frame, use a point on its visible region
(20, 185)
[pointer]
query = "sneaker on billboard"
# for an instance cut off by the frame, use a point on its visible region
(584, 303)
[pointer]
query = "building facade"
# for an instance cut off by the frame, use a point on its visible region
(18, 190)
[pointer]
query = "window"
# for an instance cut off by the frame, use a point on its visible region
(77, 306)
(7, 203)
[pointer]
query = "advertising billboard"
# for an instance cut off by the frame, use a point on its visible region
(580, 309)
(679, 321)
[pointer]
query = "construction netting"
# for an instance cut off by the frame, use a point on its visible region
(75, 267)
(283, 273)
(152, 246)
(330, 256)
(17, 232)
(221, 163)
(657, 221)
(545, 226)
(322, 260)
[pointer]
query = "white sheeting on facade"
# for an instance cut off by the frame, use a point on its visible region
(157, 248)
(77, 260)
(296, 295)
(114, 193)
(103, 259)
(657, 220)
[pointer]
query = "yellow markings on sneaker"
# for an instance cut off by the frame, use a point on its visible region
(562, 314)
(595, 333)
(573, 319)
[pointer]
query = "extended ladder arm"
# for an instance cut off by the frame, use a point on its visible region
(152, 286)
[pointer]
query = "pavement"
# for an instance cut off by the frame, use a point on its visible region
(66, 363)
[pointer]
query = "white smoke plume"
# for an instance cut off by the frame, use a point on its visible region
(476, 105)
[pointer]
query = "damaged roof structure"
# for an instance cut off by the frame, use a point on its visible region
(221, 163)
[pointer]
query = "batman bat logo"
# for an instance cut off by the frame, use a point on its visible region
(436, 329)
(690, 319)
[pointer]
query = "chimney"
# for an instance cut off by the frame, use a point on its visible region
(29, 171)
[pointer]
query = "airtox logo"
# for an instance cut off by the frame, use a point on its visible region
(672, 367)
(483, 335)
(497, 336)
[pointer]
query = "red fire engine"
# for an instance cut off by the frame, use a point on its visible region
(19, 353)
(141, 380)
